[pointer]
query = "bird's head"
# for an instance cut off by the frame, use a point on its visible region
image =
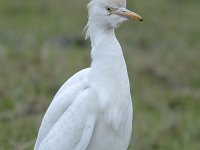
(110, 13)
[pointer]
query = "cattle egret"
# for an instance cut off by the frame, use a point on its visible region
(93, 109)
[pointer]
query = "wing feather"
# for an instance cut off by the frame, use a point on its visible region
(62, 100)
(74, 129)
(87, 134)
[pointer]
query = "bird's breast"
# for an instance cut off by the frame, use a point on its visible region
(113, 103)
(114, 124)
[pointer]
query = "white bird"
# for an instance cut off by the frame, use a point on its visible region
(93, 109)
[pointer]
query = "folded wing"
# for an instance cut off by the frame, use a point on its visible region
(71, 91)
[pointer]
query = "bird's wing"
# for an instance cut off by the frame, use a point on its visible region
(62, 100)
(74, 129)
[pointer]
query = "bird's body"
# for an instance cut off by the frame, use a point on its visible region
(93, 109)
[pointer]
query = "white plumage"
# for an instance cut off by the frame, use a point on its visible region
(93, 109)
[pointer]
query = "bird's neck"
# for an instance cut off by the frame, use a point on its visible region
(107, 58)
(97, 34)
(104, 43)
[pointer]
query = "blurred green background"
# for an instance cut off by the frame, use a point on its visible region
(41, 46)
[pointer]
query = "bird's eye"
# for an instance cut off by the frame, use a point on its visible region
(108, 9)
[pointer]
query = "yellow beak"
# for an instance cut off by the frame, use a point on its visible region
(128, 14)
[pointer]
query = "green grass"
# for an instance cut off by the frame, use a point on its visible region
(41, 46)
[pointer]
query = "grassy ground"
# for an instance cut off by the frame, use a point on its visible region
(41, 46)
